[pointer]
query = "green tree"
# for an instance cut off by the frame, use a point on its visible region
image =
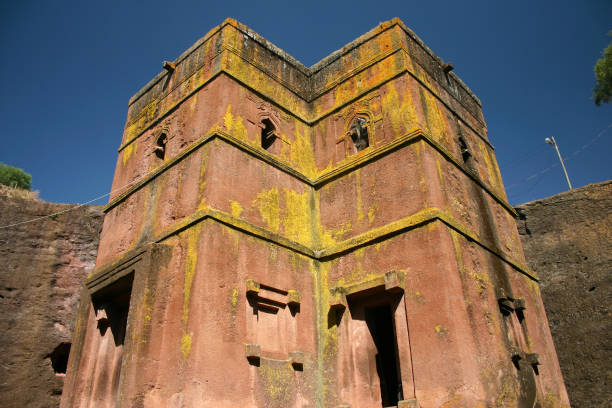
(603, 75)
(14, 177)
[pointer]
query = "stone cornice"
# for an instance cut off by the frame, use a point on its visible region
(342, 168)
(317, 251)
(306, 93)
(307, 119)
(287, 58)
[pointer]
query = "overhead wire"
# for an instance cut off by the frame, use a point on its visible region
(76, 206)
(567, 158)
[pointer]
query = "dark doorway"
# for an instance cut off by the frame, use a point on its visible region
(380, 323)
(112, 305)
(59, 358)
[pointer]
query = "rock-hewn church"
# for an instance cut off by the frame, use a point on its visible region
(332, 236)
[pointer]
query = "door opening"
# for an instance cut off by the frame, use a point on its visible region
(380, 323)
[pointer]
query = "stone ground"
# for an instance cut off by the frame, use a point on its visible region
(567, 240)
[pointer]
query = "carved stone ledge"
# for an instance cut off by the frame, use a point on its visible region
(409, 403)
(294, 297)
(394, 281)
(252, 287)
(253, 353)
(337, 300)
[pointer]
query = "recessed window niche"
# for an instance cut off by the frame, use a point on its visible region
(358, 131)
(160, 146)
(110, 308)
(268, 135)
(272, 326)
(59, 358)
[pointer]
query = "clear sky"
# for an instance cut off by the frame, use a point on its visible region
(69, 68)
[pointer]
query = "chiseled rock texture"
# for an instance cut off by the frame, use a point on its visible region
(567, 240)
(43, 267)
(329, 236)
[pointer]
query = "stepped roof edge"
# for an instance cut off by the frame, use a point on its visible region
(308, 71)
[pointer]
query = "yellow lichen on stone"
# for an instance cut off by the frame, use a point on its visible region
(236, 208)
(301, 155)
(129, 151)
(202, 185)
(228, 119)
(551, 401)
(186, 345)
(327, 344)
(459, 208)
(441, 330)
(139, 124)
(436, 121)
(391, 100)
(193, 102)
(333, 236)
(507, 396)
(268, 204)
(297, 218)
(491, 170)
(481, 279)
(458, 252)
(148, 309)
(359, 199)
(235, 126)
(277, 382)
(240, 131)
(234, 298)
(440, 173)
(193, 237)
(371, 212)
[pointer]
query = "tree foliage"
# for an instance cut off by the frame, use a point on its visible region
(14, 177)
(603, 75)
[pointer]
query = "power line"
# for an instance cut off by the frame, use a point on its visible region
(75, 207)
(572, 156)
(541, 172)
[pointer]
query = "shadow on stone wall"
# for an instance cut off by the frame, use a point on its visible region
(43, 266)
(567, 240)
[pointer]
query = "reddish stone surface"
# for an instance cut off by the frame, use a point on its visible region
(312, 271)
(568, 241)
(44, 266)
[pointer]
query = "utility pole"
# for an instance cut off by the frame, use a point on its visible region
(551, 141)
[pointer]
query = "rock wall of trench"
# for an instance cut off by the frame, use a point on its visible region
(43, 265)
(567, 239)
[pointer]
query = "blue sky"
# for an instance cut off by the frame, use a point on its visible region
(69, 68)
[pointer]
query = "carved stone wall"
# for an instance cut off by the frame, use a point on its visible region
(332, 236)
(43, 266)
(567, 240)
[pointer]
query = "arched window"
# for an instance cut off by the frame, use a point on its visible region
(359, 133)
(160, 146)
(465, 150)
(268, 136)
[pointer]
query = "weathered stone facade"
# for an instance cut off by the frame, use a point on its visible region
(568, 241)
(44, 265)
(296, 237)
